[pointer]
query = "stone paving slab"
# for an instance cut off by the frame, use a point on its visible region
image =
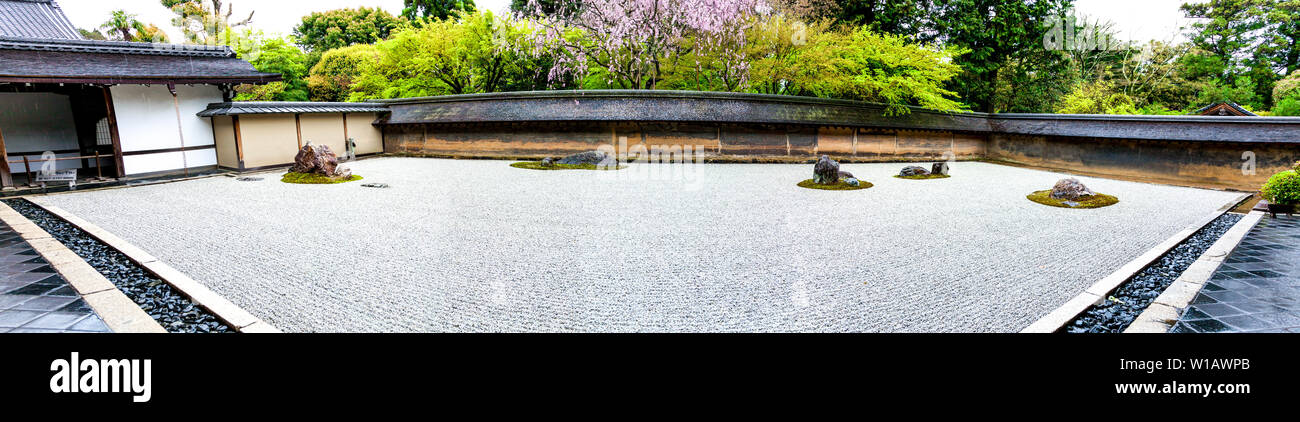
(479, 246)
(1257, 289)
(34, 298)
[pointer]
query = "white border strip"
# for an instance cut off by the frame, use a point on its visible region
(119, 313)
(223, 309)
(1098, 292)
(1161, 315)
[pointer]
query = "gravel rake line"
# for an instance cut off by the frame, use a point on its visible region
(1123, 306)
(175, 312)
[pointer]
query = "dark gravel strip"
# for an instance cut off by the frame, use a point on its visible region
(1135, 295)
(173, 310)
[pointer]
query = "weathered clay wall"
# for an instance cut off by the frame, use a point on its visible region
(1222, 164)
(550, 139)
(1186, 150)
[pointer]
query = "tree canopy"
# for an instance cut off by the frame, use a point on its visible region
(985, 55)
(323, 31)
(436, 9)
(123, 26)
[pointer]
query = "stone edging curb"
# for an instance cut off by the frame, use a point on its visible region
(219, 306)
(1161, 315)
(119, 313)
(1098, 292)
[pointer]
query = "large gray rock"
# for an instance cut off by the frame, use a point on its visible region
(589, 157)
(1070, 189)
(826, 172)
(318, 159)
(939, 168)
(910, 171)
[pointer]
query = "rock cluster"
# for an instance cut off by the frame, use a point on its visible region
(319, 159)
(1070, 189)
(826, 171)
(589, 157)
(911, 171)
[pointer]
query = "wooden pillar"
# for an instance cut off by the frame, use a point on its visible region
(180, 128)
(112, 131)
(297, 122)
(239, 142)
(6, 178)
(345, 130)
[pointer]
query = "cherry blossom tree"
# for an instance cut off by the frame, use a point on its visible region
(634, 40)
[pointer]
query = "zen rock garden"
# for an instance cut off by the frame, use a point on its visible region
(1071, 193)
(828, 176)
(588, 160)
(317, 165)
(937, 171)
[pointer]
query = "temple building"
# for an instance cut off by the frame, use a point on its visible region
(108, 109)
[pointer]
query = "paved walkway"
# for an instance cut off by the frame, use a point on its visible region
(36, 299)
(1258, 287)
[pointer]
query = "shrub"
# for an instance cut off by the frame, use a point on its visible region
(1282, 188)
(1287, 87)
(1288, 107)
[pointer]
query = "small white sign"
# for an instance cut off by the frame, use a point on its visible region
(69, 175)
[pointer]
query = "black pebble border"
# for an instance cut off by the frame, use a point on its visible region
(174, 311)
(1135, 295)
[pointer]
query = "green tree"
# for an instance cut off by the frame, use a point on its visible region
(1097, 98)
(122, 26)
(993, 32)
(206, 23)
(323, 31)
(273, 55)
(332, 78)
(1289, 106)
(1244, 92)
(1288, 86)
(92, 34)
(548, 7)
(468, 54)
(1283, 35)
(901, 17)
(1253, 39)
(436, 9)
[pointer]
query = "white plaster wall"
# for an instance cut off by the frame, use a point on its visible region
(146, 120)
(165, 161)
(33, 122)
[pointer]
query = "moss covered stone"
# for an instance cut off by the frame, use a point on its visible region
(924, 176)
(840, 185)
(315, 179)
(537, 165)
(1092, 201)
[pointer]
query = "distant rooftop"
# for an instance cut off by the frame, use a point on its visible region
(266, 107)
(1225, 109)
(35, 19)
(38, 44)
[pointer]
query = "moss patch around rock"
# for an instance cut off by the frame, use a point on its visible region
(315, 179)
(537, 165)
(924, 176)
(837, 186)
(1095, 201)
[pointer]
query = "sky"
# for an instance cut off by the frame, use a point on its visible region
(1138, 20)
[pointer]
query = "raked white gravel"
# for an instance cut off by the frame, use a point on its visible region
(480, 246)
